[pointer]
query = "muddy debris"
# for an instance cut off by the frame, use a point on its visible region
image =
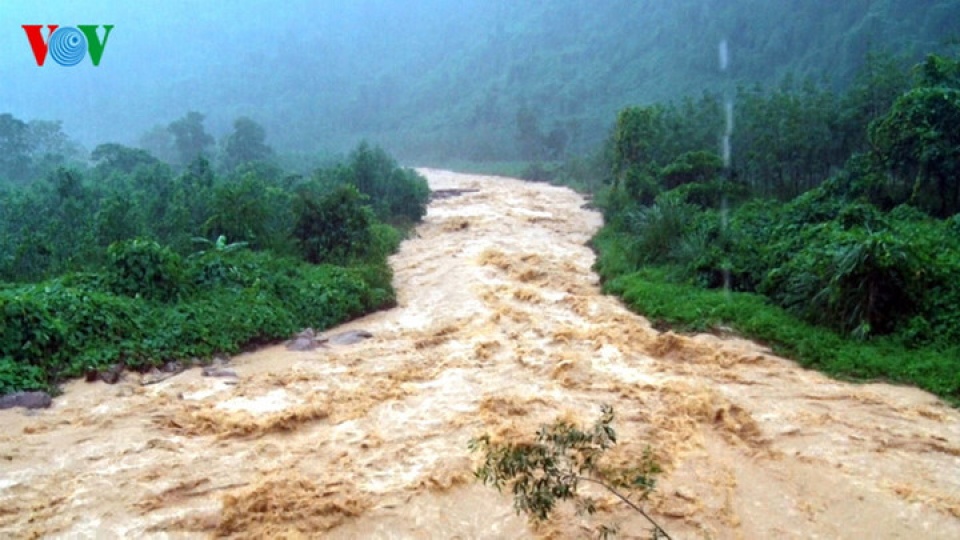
(440, 194)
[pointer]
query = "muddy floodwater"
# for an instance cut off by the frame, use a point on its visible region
(500, 327)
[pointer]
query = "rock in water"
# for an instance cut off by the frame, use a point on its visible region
(27, 400)
(218, 371)
(307, 333)
(306, 340)
(172, 367)
(112, 375)
(302, 344)
(350, 337)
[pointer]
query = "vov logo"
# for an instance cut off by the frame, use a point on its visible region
(67, 45)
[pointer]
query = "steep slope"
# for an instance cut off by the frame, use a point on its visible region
(436, 78)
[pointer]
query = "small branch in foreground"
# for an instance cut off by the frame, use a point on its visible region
(544, 472)
(657, 528)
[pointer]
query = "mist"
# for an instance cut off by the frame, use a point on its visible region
(433, 79)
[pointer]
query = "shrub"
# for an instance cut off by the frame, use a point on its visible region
(65, 327)
(144, 268)
(334, 228)
(655, 230)
(691, 167)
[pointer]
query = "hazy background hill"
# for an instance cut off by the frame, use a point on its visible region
(436, 79)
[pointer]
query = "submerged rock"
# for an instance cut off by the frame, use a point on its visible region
(218, 371)
(350, 337)
(306, 340)
(113, 375)
(172, 366)
(302, 344)
(27, 400)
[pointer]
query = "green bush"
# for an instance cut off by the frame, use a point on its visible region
(144, 268)
(66, 327)
(656, 230)
(395, 193)
(691, 167)
(334, 228)
(859, 281)
(933, 368)
(713, 194)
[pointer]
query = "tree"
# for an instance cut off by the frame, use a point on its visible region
(239, 212)
(555, 143)
(159, 142)
(49, 145)
(691, 167)
(189, 137)
(245, 144)
(334, 228)
(113, 157)
(395, 192)
(15, 149)
(636, 136)
(530, 138)
(875, 88)
(919, 138)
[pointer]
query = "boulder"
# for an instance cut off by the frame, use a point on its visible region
(350, 337)
(218, 371)
(113, 375)
(306, 340)
(27, 400)
(302, 344)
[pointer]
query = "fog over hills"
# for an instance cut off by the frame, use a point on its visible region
(433, 79)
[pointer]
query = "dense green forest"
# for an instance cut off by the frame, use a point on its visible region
(137, 262)
(829, 231)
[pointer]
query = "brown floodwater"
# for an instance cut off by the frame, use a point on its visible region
(500, 327)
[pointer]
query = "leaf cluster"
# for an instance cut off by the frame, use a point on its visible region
(550, 469)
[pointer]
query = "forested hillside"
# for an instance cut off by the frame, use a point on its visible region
(434, 79)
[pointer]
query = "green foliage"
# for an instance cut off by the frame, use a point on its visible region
(655, 230)
(918, 139)
(563, 456)
(14, 149)
(147, 295)
(689, 167)
(857, 280)
(713, 194)
(16, 377)
(335, 227)
(396, 193)
(935, 368)
(640, 184)
(144, 268)
(242, 210)
(635, 138)
(854, 281)
(65, 327)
